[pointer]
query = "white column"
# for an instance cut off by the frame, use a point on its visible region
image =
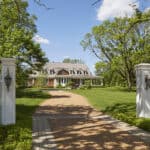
(62, 82)
(7, 95)
(91, 82)
(143, 90)
(102, 82)
(80, 82)
(55, 83)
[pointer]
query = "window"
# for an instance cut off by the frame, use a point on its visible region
(72, 72)
(85, 72)
(79, 72)
(52, 71)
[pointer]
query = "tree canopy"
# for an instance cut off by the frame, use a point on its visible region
(16, 35)
(120, 45)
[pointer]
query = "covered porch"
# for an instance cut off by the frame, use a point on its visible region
(77, 81)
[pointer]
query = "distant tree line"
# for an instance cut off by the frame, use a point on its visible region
(73, 61)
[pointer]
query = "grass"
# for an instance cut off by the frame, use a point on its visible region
(117, 102)
(19, 136)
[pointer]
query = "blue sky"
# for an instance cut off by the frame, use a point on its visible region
(61, 30)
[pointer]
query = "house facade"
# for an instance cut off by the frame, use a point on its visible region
(60, 74)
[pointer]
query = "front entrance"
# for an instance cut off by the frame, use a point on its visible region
(51, 82)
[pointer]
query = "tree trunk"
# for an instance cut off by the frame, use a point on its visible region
(129, 80)
(129, 84)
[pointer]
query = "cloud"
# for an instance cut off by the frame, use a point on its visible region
(116, 8)
(147, 9)
(66, 57)
(38, 39)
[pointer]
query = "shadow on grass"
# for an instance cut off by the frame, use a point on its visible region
(31, 93)
(18, 136)
(127, 113)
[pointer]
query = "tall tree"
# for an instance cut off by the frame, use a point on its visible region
(16, 35)
(113, 43)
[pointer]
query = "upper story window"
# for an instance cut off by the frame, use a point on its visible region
(85, 73)
(44, 71)
(51, 71)
(79, 72)
(72, 72)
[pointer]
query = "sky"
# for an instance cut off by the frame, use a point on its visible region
(60, 30)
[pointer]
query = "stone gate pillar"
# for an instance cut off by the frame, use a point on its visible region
(7, 94)
(143, 90)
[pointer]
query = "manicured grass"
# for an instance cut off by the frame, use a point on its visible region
(117, 102)
(19, 136)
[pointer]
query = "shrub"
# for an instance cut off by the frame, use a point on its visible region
(82, 87)
(70, 84)
(59, 86)
(40, 82)
(87, 84)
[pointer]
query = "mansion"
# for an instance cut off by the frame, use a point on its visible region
(60, 74)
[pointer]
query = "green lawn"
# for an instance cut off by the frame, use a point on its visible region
(19, 136)
(117, 102)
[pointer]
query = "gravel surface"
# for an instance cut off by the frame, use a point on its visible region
(68, 122)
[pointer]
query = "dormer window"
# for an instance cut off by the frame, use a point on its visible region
(72, 72)
(79, 72)
(44, 71)
(52, 71)
(85, 72)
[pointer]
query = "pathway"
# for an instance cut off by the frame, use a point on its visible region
(68, 122)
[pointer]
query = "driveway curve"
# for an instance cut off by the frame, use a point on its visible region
(68, 122)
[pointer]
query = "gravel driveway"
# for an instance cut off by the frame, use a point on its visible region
(68, 122)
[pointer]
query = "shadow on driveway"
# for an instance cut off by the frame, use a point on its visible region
(75, 128)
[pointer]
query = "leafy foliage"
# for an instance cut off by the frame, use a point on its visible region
(70, 84)
(16, 36)
(87, 84)
(19, 136)
(40, 82)
(120, 45)
(73, 61)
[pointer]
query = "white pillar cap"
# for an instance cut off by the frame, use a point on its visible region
(8, 61)
(143, 66)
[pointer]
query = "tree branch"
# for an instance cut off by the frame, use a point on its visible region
(96, 2)
(42, 4)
